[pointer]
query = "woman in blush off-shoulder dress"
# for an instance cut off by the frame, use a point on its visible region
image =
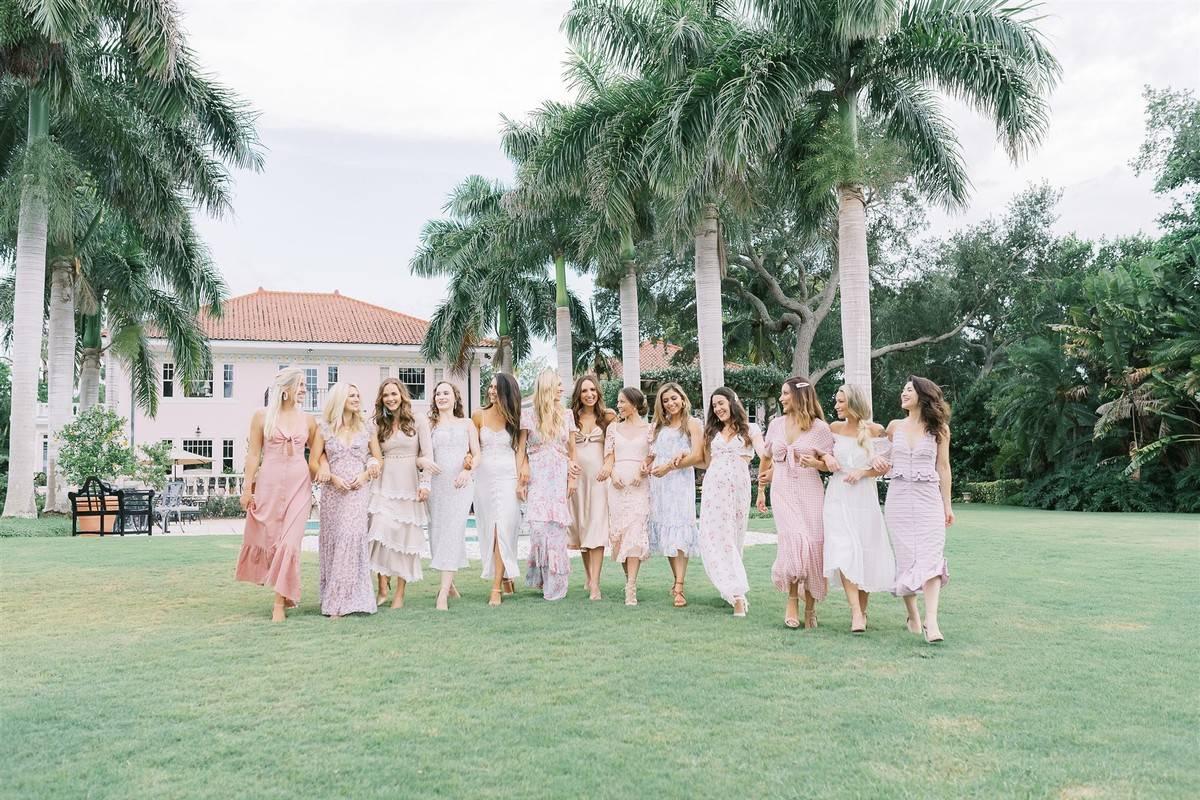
(858, 554)
(677, 446)
(398, 498)
(626, 453)
(544, 455)
(797, 441)
(454, 439)
(730, 442)
(918, 501)
(278, 492)
(345, 457)
(497, 509)
(589, 507)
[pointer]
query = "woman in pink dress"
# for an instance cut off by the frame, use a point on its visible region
(626, 457)
(345, 457)
(278, 492)
(730, 441)
(545, 451)
(797, 441)
(918, 501)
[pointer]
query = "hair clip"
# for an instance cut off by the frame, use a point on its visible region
(799, 385)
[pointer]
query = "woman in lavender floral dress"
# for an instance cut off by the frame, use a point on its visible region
(545, 451)
(677, 446)
(345, 455)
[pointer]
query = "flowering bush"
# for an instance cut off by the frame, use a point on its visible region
(94, 443)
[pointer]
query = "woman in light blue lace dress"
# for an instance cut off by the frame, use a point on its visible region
(451, 489)
(677, 445)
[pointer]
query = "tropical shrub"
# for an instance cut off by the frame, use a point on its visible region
(94, 443)
(1098, 487)
(995, 493)
(154, 465)
(223, 507)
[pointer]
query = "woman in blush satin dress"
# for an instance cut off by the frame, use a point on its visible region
(278, 492)
(730, 442)
(589, 507)
(454, 439)
(626, 453)
(545, 452)
(797, 441)
(497, 509)
(858, 554)
(918, 501)
(397, 507)
(677, 446)
(345, 457)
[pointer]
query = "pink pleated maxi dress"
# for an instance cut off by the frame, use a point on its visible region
(629, 506)
(274, 529)
(797, 500)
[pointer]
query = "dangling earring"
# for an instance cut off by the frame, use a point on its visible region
(283, 396)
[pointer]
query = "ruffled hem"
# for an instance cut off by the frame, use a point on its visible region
(404, 564)
(277, 567)
(388, 495)
(675, 540)
(405, 537)
(402, 511)
(912, 581)
(549, 560)
(818, 587)
(834, 577)
(914, 476)
(626, 547)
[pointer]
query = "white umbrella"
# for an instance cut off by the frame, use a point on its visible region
(181, 456)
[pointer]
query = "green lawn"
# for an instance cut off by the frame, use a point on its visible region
(137, 667)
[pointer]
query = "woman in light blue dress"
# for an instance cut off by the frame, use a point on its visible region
(677, 445)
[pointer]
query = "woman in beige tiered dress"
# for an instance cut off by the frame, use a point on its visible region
(588, 532)
(398, 498)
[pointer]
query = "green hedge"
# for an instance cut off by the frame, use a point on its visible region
(223, 507)
(995, 493)
(43, 526)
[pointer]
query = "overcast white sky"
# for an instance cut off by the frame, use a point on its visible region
(373, 109)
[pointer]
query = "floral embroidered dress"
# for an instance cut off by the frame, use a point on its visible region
(547, 513)
(673, 528)
(274, 531)
(629, 506)
(797, 499)
(724, 509)
(916, 516)
(345, 566)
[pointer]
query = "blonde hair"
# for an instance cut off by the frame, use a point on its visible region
(286, 378)
(661, 418)
(334, 412)
(858, 403)
(550, 412)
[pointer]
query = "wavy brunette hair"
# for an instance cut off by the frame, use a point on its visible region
(386, 420)
(600, 410)
(508, 402)
(737, 415)
(935, 411)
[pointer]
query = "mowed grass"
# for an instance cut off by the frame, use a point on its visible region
(137, 667)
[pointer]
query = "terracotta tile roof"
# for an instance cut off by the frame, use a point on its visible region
(655, 354)
(312, 317)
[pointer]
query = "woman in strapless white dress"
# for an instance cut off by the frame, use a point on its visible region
(497, 509)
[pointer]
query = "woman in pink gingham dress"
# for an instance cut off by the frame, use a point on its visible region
(797, 441)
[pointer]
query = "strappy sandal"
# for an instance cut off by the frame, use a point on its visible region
(740, 606)
(810, 620)
(496, 598)
(508, 586)
(789, 619)
(680, 600)
(631, 594)
(454, 592)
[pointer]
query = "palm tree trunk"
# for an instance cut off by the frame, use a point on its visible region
(855, 286)
(504, 340)
(631, 340)
(708, 304)
(61, 371)
(27, 326)
(562, 324)
(89, 366)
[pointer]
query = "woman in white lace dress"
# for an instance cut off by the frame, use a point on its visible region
(857, 551)
(497, 509)
(677, 446)
(730, 441)
(451, 490)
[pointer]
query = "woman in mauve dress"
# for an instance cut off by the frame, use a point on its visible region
(677, 446)
(730, 442)
(277, 496)
(451, 491)
(398, 498)
(918, 501)
(589, 507)
(497, 509)
(626, 455)
(345, 457)
(545, 452)
(798, 441)
(858, 554)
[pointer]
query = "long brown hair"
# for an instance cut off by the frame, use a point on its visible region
(661, 418)
(737, 415)
(635, 398)
(805, 404)
(434, 413)
(385, 419)
(508, 402)
(600, 410)
(935, 411)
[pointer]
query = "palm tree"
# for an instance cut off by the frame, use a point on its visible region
(597, 337)
(796, 85)
(103, 68)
